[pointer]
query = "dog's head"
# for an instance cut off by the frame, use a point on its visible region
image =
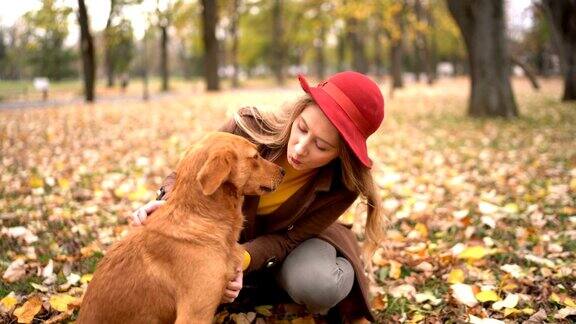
(221, 158)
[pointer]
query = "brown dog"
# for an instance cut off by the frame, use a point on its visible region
(175, 268)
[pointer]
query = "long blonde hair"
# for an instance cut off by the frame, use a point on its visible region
(273, 130)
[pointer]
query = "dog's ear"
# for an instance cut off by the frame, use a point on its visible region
(214, 172)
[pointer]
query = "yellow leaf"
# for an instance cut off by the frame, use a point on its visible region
(487, 295)
(347, 218)
(395, 269)
(86, 278)
(8, 303)
(417, 318)
(474, 253)
(64, 183)
(422, 229)
(26, 312)
(456, 276)
(140, 194)
(527, 311)
(36, 182)
(510, 311)
(264, 310)
(60, 302)
(562, 299)
(573, 184)
(511, 208)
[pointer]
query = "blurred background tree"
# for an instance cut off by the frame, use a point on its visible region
(45, 35)
(228, 43)
(87, 52)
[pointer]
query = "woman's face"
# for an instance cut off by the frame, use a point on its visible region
(313, 140)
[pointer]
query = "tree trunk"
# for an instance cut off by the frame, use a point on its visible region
(396, 56)
(431, 47)
(278, 51)
(531, 76)
(320, 57)
(397, 51)
(378, 53)
(235, 43)
(108, 47)
(341, 52)
(359, 60)
(209, 20)
(164, 70)
(145, 91)
(422, 63)
(563, 21)
(482, 25)
(87, 49)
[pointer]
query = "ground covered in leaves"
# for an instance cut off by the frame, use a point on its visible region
(483, 212)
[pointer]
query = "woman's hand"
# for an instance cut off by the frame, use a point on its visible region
(140, 214)
(233, 287)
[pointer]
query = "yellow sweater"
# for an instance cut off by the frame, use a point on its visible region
(293, 180)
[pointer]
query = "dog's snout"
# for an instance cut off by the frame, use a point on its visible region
(282, 171)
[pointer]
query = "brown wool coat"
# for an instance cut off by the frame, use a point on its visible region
(311, 212)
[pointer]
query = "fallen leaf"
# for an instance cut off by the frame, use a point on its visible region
(304, 320)
(537, 318)
(60, 302)
(8, 303)
(240, 318)
(487, 208)
(395, 269)
(487, 295)
(26, 312)
(38, 287)
(514, 270)
(427, 296)
(73, 279)
(456, 276)
(474, 253)
(417, 318)
(562, 299)
(478, 320)
(405, 290)
(540, 260)
(86, 278)
(509, 302)
(464, 294)
(422, 229)
(264, 310)
(16, 270)
(565, 312)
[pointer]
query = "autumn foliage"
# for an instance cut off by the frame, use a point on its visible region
(483, 212)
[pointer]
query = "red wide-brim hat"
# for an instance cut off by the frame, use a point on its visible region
(355, 106)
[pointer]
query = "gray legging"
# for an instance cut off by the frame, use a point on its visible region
(314, 276)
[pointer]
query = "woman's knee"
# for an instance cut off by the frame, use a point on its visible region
(318, 283)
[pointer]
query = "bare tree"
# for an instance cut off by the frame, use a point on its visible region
(278, 51)
(482, 25)
(209, 20)
(164, 19)
(234, 23)
(397, 48)
(562, 14)
(87, 49)
(357, 44)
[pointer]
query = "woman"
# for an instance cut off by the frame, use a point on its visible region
(291, 234)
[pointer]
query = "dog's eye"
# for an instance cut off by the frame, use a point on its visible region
(255, 157)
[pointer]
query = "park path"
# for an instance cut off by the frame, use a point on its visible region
(50, 103)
